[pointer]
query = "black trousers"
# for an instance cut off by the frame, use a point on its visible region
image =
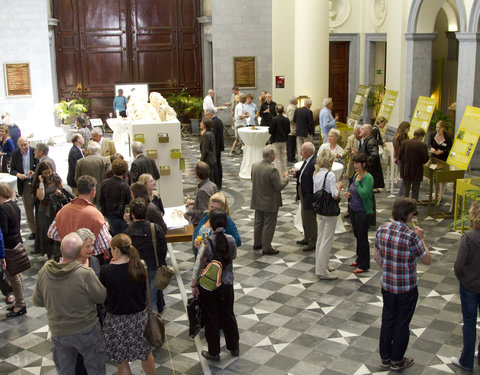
(219, 171)
(217, 309)
(360, 222)
(291, 148)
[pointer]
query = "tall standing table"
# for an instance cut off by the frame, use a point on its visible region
(255, 140)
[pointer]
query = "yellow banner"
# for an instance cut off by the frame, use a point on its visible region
(422, 114)
(389, 99)
(359, 102)
(466, 140)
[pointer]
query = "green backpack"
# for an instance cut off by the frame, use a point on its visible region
(211, 276)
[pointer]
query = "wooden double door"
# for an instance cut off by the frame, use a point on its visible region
(101, 43)
(338, 78)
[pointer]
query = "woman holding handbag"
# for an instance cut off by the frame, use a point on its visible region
(10, 225)
(149, 240)
(324, 178)
(126, 304)
(360, 194)
(217, 305)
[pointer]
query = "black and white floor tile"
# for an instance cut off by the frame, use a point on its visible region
(290, 322)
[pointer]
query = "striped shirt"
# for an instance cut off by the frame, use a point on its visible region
(399, 247)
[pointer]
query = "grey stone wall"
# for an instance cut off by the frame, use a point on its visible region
(240, 28)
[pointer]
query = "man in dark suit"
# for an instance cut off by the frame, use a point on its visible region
(303, 118)
(266, 200)
(23, 166)
(304, 178)
(93, 165)
(74, 155)
(267, 110)
(219, 143)
(142, 164)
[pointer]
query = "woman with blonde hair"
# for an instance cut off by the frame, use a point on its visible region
(376, 132)
(7, 147)
(323, 177)
(126, 304)
(440, 146)
(149, 182)
(217, 201)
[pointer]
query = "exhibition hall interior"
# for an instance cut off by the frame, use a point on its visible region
(166, 80)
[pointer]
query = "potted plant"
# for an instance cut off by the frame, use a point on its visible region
(67, 111)
(179, 102)
(195, 109)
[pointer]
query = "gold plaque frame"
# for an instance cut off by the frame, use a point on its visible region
(245, 72)
(17, 79)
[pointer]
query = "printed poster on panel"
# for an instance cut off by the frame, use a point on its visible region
(466, 139)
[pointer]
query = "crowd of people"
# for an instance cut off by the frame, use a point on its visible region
(105, 235)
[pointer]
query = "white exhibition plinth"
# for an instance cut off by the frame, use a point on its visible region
(119, 127)
(169, 186)
(337, 169)
(255, 140)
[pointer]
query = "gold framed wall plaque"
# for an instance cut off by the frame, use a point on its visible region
(244, 72)
(17, 79)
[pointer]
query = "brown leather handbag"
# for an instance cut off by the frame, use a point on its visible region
(155, 329)
(17, 259)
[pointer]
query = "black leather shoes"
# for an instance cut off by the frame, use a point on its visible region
(302, 242)
(259, 247)
(207, 355)
(235, 352)
(20, 312)
(270, 252)
(32, 236)
(308, 248)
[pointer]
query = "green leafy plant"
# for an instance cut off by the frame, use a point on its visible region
(195, 107)
(439, 115)
(463, 219)
(67, 111)
(375, 98)
(185, 105)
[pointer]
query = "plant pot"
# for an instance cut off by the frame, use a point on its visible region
(195, 122)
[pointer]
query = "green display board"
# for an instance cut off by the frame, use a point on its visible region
(466, 139)
(423, 114)
(359, 102)
(388, 103)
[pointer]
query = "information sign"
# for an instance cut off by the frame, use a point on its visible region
(359, 102)
(422, 114)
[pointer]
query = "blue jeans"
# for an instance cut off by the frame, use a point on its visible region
(158, 302)
(470, 304)
(397, 313)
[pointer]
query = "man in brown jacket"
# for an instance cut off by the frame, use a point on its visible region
(413, 154)
(266, 200)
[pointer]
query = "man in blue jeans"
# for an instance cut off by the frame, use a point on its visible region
(397, 248)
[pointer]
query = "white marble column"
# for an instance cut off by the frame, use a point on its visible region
(311, 50)
(418, 69)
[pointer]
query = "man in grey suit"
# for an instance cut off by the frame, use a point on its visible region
(266, 200)
(93, 165)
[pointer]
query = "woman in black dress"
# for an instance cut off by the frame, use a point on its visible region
(440, 146)
(125, 304)
(10, 225)
(208, 148)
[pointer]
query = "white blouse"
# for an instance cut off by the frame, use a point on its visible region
(330, 183)
(338, 150)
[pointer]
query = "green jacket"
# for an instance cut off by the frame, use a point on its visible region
(70, 293)
(365, 190)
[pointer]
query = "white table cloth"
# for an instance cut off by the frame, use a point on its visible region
(9, 179)
(255, 141)
(337, 169)
(120, 128)
(391, 166)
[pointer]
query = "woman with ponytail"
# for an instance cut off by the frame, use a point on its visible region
(126, 304)
(217, 305)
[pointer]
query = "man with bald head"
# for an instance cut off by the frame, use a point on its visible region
(70, 293)
(23, 167)
(304, 178)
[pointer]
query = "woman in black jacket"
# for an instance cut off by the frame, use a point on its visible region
(141, 232)
(208, 148)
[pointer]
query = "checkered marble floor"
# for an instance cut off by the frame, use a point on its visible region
(290, 322)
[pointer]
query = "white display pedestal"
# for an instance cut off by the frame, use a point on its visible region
(169, 186)
(120, 136)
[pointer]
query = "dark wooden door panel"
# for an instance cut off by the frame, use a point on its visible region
(338, 78)
(100, 43)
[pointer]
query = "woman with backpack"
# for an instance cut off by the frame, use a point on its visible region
(217, 300)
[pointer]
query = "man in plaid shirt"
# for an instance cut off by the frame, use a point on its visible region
(397, 248)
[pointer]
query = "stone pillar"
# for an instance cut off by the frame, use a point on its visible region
(311, 50)
(206, 22)
(418, 69)
(468, 76)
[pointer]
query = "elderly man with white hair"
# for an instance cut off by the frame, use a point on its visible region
(266, 200)
(107, 146)
(141, 163)
(208, 101)
(93, 165)
(327, 121)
